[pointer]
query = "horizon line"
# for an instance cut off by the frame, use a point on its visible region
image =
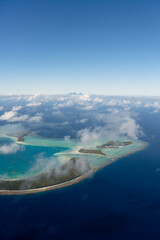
(75, 93)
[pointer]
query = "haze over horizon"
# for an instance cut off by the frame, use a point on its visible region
(96, 47)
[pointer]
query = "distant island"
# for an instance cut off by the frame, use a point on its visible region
(115, 144)
(21, 137)
(110, 144)
(91, 151)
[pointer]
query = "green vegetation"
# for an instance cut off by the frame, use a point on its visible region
(68, 171)
(92, 151)
(115, 144)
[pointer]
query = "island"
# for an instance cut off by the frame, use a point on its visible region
(91, 151)
(71, 167)
(115, 144)
(21, 137)
(61, 174)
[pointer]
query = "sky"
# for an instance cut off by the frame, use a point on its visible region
(106, 47)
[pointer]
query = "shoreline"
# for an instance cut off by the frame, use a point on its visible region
(70, 182)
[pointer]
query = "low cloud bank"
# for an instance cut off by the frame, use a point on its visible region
(7, 115)
(11, 148)
(13, 129)
(11, 116)
(80, 165)
(62, 115)
(69, 170)
(44, 164)
(116, 124)
(33, 104)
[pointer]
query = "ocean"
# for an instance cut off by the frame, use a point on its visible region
(120, 201)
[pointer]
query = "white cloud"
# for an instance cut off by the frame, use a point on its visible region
(65, 123)
(98, 100)
(11, 148)
(112, 102)
(127, 108)
(16, 108)
(113, 110)
(61, 99)
(130, 128)
(154, 105)
(43, 163)
(68, 103)
(83, 120)
(12, 129)
(122, 124)
(37, 118)
(8, 115)
(33, 104)
(19, 119)
(80, 165)
(137, 103)
(156, 111)
(58, 114)
(11, 116)
(116, 124)
(88, 136)
(32, 97)
(125, 102)
(46, 164)
(117, 102)
(67, 138)
(84, 97)
(88, 107)
(1, 108)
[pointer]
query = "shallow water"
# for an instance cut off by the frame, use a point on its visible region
(56, 151)
(19, 164)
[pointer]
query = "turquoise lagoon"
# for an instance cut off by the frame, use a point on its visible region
(54, 152)
(20, 164)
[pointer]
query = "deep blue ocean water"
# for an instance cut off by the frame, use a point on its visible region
(121, 201)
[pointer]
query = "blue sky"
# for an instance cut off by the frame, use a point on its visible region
(56, 46)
